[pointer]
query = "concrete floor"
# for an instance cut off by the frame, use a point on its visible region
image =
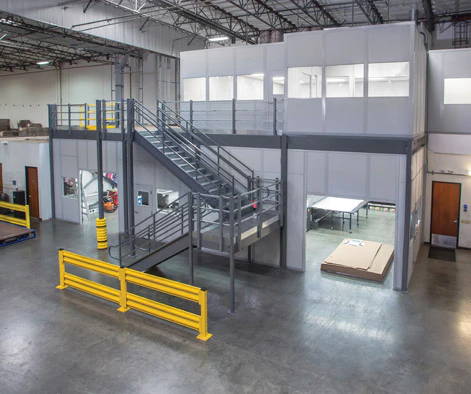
(379, 226)
(292, 332)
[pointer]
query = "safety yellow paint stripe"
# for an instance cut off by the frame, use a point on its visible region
(163, 311)
(163, 285)
(14, 207)
(91, 287)
(13, 220)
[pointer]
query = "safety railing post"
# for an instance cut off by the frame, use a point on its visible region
(239, 217)
(198, 219)
(123, 291)
(191, 115)
(203, 324)
(190, 243)
(27, 216)
(259, 206)
(233, 116)
(231, 253)
(275, 132)
(69, 116)
(85, 115)
(221, 224)
(60, 258)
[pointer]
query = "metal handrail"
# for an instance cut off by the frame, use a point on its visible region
(188, 146)
(197, 133)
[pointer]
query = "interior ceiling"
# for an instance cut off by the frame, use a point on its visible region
(24, 43)
(255, 21)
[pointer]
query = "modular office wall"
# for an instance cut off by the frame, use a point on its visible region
(359, 80)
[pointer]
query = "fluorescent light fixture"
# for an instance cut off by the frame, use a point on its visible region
(218, 38)
(469, 172)
(337, 79)
(43, 63)
(3, 36)
(278, 79)
(259, 76)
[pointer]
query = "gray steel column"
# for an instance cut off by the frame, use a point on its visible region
(130, 163)
(52, 115)
(124, 201)
(231, 254)
(407, 218)
(99, 157)
(284, 199)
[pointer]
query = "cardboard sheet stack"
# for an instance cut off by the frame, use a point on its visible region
(361, 259)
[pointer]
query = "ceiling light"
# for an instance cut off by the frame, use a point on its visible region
(43, 63)
(278, 79)
(3, 36)
(218, 38)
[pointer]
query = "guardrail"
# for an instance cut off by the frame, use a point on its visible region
(26, 222)
(127, 300)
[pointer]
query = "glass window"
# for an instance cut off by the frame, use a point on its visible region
(194, 89)
(278, 85)
(344, 80)
(457, 91)
(305, 82)
(142, 198)
(221, 88)
(250, 87)
(388, 79)
(166, 199)
(70, 187)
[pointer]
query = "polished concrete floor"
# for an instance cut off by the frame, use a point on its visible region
(292, 332)
(322, 240)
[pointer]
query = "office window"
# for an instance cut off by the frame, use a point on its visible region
(166, 199)
(250, 87)
(344, 80)
(221, 88)
(305, 82)
(194, 89)
(278, 85)
(142, 198)
(70, 187)
(388, 79)
(457, 91)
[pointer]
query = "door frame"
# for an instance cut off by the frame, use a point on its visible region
(459, 211)
(27, 188)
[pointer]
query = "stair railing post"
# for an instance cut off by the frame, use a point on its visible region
(70, 117)
(274, 117)
(198, 219)
(259, 206)
(221, 225)
(190, 237)
(239, 217)
(231, 253)
(153, 224)
(233, 116)
(157, 111)
(191, 115)
(277, 199)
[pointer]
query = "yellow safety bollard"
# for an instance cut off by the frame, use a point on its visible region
(101, 234)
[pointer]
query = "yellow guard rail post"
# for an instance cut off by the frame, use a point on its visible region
(26, 222)
(127, 300)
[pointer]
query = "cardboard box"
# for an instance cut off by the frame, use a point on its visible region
(361, 259)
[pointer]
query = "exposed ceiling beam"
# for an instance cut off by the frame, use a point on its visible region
(316, 12)
(368, 7)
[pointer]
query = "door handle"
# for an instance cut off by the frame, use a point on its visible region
(455, 221)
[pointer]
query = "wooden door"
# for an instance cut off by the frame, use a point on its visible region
(32, 191)
(1, 178)
(445, 214)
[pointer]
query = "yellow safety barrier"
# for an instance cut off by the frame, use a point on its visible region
(101, 234)
(26, 222)
(127, 300)
(87, 117)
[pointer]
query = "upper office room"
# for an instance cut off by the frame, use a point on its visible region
(367, 80)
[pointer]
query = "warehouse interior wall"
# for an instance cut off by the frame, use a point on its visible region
(25, 95)
(15, 156)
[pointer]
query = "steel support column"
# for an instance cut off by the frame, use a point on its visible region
(99, 157)
(407, 219)
(52, 115)
(284, 199)
(130, 164)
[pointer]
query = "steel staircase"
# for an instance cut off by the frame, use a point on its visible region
(227, 209)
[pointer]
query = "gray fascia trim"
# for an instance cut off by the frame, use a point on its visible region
(85, 135)
(247, 141)
(340, 143)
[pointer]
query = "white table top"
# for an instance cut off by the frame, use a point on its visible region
(337, 204)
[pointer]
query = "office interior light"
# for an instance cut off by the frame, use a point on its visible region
(43, 63)
(218, 38)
